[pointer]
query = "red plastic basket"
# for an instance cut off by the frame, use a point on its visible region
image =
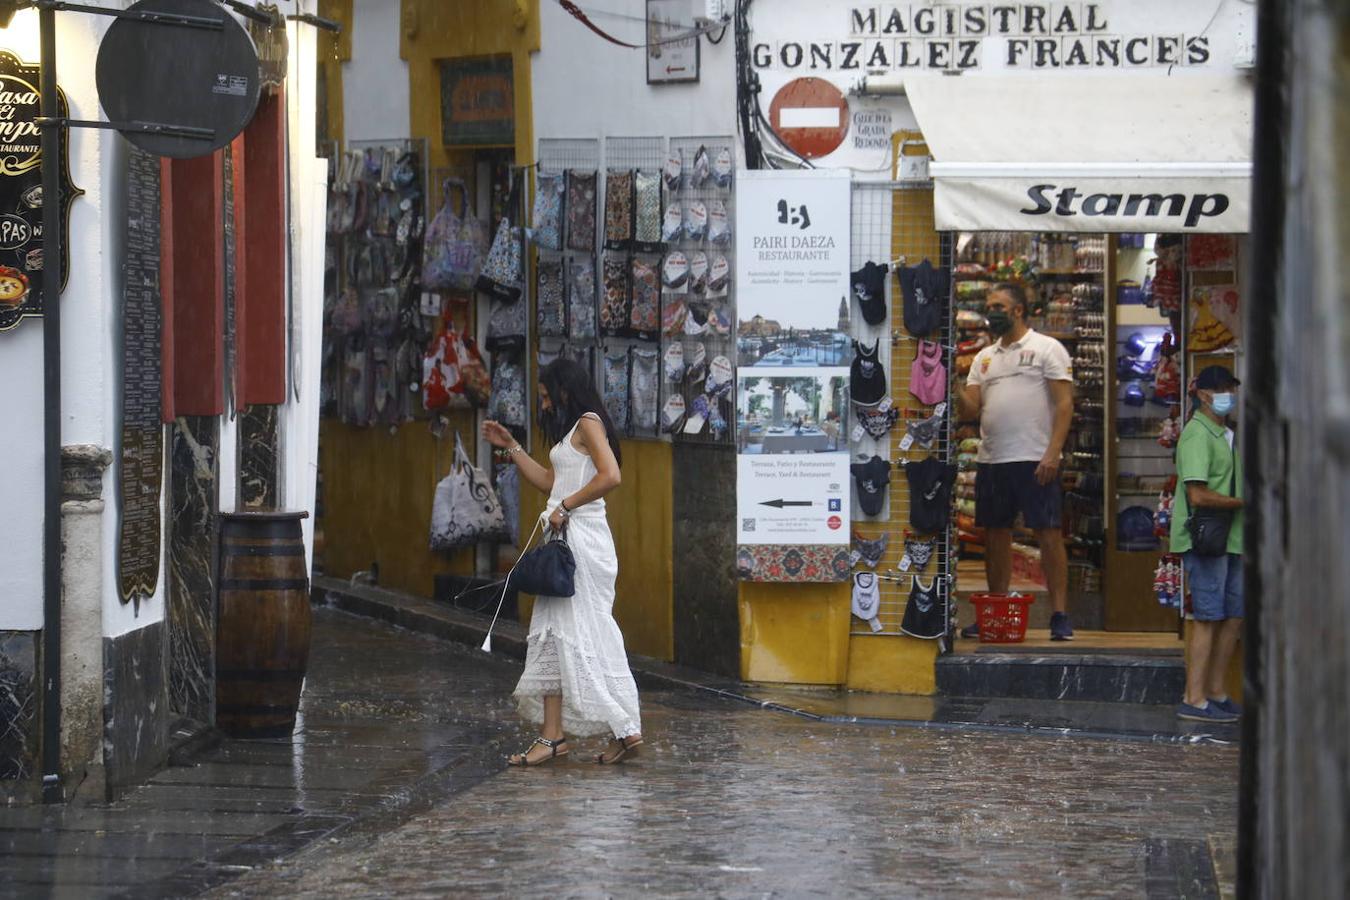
(1002, 617)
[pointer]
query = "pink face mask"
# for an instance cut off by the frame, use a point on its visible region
(928, 376)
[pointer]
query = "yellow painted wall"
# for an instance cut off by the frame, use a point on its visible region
(377, 502)
(892, 665)
(377, 486)
(794, 633)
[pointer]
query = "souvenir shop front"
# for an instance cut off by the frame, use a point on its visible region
(1135, 267)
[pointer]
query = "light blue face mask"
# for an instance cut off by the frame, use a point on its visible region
(1223, 403)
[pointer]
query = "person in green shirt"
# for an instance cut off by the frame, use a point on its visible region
(1209, 474)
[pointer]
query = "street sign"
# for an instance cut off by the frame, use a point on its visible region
(811, 116)
(195, 76)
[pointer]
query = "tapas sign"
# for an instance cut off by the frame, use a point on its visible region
(21, 272)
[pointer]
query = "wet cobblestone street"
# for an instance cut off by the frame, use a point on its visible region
(728, 800)
(394, 786)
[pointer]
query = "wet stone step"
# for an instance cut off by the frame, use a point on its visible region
(335, 777)
(1116, 679)
(137, 821)
(180, 847)
(74, 869)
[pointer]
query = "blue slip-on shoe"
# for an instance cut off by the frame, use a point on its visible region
(1060, 629)
(1207, 713)
(971, 631)
(1227, 705)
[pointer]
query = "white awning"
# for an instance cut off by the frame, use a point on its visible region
(1089, 153)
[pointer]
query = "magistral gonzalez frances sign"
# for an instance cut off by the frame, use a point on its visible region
(960, 36)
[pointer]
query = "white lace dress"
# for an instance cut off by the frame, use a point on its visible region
(575, 646)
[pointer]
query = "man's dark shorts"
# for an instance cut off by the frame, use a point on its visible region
(1002, 490)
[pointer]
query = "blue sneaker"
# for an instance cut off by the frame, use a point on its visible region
(1210, 712)
(1227, 705)
(1060, 629)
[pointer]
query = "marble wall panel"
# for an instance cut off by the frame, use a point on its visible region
(18, 705)
(258, 453)
(135, 707)
(707, 625)
(191, 615)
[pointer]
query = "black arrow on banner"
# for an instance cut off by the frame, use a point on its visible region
(779, 504)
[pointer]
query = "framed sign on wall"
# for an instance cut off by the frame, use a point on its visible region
(478, 107)
(671, 59)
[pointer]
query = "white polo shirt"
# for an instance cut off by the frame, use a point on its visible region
(1018, 414)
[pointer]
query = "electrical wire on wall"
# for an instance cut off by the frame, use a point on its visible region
(753, 126)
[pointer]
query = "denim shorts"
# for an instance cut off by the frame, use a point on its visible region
(1216, 586)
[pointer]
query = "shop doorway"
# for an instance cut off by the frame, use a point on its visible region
(1137, 313)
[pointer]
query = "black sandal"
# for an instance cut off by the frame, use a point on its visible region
(626, 748)
(543, 742)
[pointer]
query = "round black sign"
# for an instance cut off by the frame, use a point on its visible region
(197, 80)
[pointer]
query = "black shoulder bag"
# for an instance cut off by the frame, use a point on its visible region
(1208, 525)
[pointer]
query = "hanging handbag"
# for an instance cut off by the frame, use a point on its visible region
(453, 372)
(452, 252)
(1209, 527)
(502, 274)
(548, 570)
(466, 509)
(547, 220)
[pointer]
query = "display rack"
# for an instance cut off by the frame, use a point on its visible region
(890, 226)
(717, 335)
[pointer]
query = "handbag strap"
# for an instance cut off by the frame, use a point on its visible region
(461, 456)
(506, 582)
(449, 185)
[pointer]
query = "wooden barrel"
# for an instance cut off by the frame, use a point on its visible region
(263, 633)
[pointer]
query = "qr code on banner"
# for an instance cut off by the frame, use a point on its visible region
(747, 524)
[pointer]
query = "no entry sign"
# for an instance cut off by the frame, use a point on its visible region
(811, 116)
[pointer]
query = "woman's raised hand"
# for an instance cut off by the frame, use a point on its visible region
(497, 435)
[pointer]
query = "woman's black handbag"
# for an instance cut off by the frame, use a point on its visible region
(548, 570)
(1209, 527)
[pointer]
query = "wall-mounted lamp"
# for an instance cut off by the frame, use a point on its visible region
(889, 84)
(9, 7)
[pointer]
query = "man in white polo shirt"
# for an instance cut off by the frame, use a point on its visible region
(1021, 390)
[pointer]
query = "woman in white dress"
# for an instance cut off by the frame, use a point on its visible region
(576, 678)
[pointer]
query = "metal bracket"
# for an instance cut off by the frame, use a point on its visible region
(142, 16)
(184, 131)
(317, 22)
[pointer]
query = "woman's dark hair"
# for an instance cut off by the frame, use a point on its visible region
(1016, 293)
(572, 393)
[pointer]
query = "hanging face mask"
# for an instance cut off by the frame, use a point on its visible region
(1000, 323)
(1223, 403)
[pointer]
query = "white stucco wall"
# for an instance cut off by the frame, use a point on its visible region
(375, 103)
(299, 419)
(87, 357)
(574, 63)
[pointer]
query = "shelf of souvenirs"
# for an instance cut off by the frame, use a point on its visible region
(1069, 273)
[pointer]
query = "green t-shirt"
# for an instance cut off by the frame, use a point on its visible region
(1203, 454)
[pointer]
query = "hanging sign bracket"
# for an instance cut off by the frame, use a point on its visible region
(183, 131)
(157, 18)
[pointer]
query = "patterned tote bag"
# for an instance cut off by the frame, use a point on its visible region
(547, 218)
(616, 388)
(549, 297)
(614, 300)
(581, 298)
(618, 209)
(580, 205)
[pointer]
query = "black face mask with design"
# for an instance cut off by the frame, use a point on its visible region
(1000, 322)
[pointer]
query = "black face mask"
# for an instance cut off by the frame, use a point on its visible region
(1000, 323)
